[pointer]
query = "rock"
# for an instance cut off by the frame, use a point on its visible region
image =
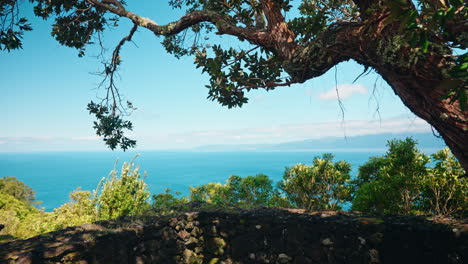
(196, 231)
(191, 240)
(183, 234)
(374, 256)
(327, 242)
(283, 258)
(187, 254)
(361, 240)
(216, 245)
(376, 238)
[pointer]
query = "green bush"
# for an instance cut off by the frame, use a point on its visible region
(122, 195)
(163, 203)
(322, 186)
(392, 183)
(445, 192)
(246, 192)
(13, 213)
(401, 182)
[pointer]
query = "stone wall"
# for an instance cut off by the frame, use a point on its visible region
(256, 236)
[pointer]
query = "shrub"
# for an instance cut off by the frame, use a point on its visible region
(122, 195)
(322, 186)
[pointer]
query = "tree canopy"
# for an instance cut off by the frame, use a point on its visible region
(409, 43)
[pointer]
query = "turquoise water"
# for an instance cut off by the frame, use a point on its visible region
(53, 175)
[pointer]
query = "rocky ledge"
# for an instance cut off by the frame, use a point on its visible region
(248, 236)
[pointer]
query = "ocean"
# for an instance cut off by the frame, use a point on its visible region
(53, 175)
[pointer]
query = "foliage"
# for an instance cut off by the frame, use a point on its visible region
(401, 182)
(126, 194)
(12, 212)
(17, 189)
(12, 26)
(111, 127)
(163, 203)
(322, 186)
(246, 192)
(392, 183)
(80, 210)
(445, 191)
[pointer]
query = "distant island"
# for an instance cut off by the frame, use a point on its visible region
(375, 142)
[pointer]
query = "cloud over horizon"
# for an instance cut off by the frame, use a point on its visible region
(254, 135)
(344, 91)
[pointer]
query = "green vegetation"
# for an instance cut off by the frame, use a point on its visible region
(248, 192)
(120, 196)
(115, 196)
(17, 189)
(400, 182)
(322, 186)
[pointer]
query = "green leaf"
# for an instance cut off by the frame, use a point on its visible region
(424, 42)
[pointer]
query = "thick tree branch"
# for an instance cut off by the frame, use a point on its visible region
(222, 23)
(278, 39)
(278, 29)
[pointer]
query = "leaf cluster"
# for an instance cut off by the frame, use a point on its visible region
(12, 26)
(111, 126)
(233, 72)
(76, 21)
(317, 15)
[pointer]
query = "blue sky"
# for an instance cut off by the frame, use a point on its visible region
(45, 89)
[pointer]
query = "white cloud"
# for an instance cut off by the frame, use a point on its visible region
(86, 138)
(284, 133)
(344, 91)
(253, 135)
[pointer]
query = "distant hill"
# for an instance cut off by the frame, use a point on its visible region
(378, 142)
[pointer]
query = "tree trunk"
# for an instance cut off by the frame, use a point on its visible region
(423, 97)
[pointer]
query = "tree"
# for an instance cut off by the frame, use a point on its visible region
(322, 186)
(17, 189)
(409, 43)
(401, 182)
(164, 203)
(246, 192)
(392, 183)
